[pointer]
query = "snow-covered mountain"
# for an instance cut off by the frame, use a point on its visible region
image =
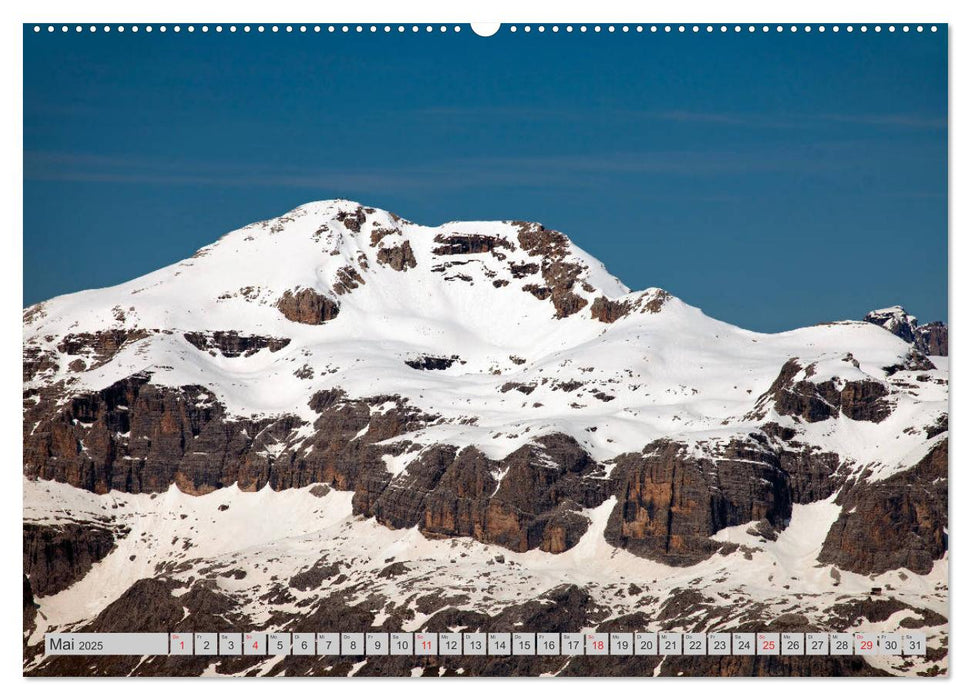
(341, 417)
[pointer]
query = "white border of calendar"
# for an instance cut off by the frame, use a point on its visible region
(522, 11)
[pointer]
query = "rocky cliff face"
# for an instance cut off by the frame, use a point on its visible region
(136, 437)
(470, 413)
(929, 338)
(932, 338)
(814, 401)
(670, 504)
(55, 556)
(897, 523)
(536, 503)
(307, 306)
(232, 344)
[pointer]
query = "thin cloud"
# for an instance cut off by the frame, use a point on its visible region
(910, 121)
(759, 121)
(780, 121)
(567, 170)
(89, 167)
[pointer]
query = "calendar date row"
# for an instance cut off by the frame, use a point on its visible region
(362, 644)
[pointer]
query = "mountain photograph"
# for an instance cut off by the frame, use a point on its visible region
(340, 419)
(336, 420)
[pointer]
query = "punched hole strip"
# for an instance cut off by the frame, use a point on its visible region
(361, 644)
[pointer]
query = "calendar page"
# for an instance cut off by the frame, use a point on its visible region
(451, 350)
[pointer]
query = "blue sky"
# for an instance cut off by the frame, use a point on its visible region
(774, 180)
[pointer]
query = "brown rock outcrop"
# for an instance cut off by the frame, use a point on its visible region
(30, 608)
(607, 311)
(468, 244)
(352, 220)
(450, 493)
(348, 279)
(312, 578)
(138, 437)
(670, 503)
(932, 338)
(100, 347)
(929, 338)
(399, 258)
(814, 475)
(915, 361)
(653, 301)
(307, 306)
(232, 344)
(56, 556)
(431, 362)
(768, 666)
(37, 361)
(560, 275)
(898, 522)
(862, 399)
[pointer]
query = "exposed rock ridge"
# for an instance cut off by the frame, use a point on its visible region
(138, 437)
(928, 338)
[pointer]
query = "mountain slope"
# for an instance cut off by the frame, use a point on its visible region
(672, 371)
(486, 380)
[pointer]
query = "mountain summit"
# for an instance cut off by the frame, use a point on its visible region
(508, 323)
